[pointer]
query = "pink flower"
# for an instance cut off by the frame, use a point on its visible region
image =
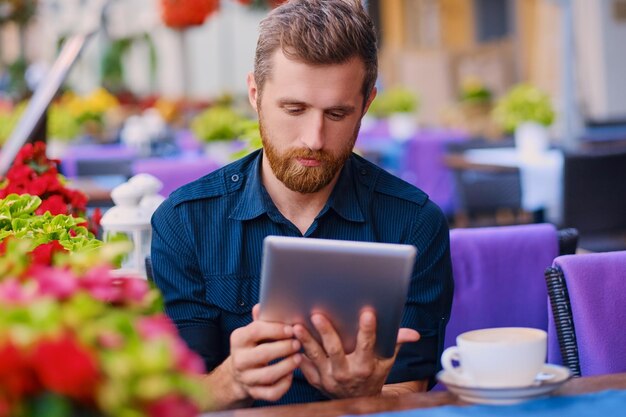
(56, 282)
(172, 405)
(156, 326)
(187, 360)
(110, 339)
(12, 291)
(99, 283)
(132, 289)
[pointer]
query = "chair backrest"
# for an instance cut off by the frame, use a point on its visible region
(498, 274)
(588, 298)
(121, 167)
(485, 191)
(593, 201)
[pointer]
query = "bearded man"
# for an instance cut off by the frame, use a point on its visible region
(313, 80)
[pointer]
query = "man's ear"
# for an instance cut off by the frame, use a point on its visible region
(370, 99)
(252, 91)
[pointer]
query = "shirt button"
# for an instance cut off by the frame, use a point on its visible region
(234, 178)
(241, 303)
(363, 171)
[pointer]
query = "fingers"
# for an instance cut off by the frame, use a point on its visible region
(272, 374)
(406, 335)
(265, 353)
(259, 331)
(311, 348)
(256, 310)
(310, 372)
(272, 392)
(332, 345)
(366, 338)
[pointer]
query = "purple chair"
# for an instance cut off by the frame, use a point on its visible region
(175, 172)
(588, 299)
(498, 275)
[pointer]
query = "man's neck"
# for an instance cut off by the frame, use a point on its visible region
(299, 208)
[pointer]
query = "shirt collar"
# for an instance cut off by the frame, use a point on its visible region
(343, 200)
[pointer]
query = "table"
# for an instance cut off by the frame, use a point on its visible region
(410, 401)
(541, 176)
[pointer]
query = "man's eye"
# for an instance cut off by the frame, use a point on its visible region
(294, 110)
(336, 115)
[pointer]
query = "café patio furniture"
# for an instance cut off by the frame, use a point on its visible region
(588, 302)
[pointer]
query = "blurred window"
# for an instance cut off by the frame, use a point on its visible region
(422, 23)
(493, 19)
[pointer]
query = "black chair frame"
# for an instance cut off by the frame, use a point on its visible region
(560, 304)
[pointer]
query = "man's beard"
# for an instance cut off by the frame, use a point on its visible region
(300, 178)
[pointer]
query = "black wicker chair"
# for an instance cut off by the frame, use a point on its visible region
(563, 320)
(560, 305)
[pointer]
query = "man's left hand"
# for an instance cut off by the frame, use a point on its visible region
(339, 375)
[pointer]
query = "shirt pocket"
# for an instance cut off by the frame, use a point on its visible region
(232, 293)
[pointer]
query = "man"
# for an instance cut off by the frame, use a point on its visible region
(313, 80)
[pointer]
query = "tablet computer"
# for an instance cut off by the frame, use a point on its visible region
(338, 278)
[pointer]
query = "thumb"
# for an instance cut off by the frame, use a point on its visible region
(406, 335)
(256, 311)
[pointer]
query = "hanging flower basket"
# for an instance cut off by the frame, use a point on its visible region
(179, 14)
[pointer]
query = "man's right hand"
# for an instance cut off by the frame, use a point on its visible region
(247, 375)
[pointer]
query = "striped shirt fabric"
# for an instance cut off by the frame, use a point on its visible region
(207, 249)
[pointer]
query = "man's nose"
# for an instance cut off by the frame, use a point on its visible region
(313, 136)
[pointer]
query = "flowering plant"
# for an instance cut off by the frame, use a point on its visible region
(34, 173)
(218, 123)
(179, 14)
(524, 103)
(182, 13)
(394, 100)
(74, 338)
(473, 90)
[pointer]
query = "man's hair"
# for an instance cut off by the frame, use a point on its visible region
(318, 32)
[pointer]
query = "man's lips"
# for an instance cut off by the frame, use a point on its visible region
(309, 162)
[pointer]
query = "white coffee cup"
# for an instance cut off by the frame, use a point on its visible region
(505, 357)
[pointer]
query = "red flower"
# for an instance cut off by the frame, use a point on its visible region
(64, 367)
(54, 204)
(276, 3)
(16, 377)
(42, 254)
(34, 173)
(172, 405)
(182, 13)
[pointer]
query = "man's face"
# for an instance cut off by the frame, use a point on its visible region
(309, 118)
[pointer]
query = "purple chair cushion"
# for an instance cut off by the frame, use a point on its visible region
(596, 283)
(498, 274)
(175, 172)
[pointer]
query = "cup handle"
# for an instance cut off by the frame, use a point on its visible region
(449, 355)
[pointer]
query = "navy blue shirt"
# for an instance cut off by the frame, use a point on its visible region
(207, 248)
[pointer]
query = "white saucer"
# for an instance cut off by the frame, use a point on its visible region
(550, 378)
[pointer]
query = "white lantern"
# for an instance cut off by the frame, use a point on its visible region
(135, 201)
